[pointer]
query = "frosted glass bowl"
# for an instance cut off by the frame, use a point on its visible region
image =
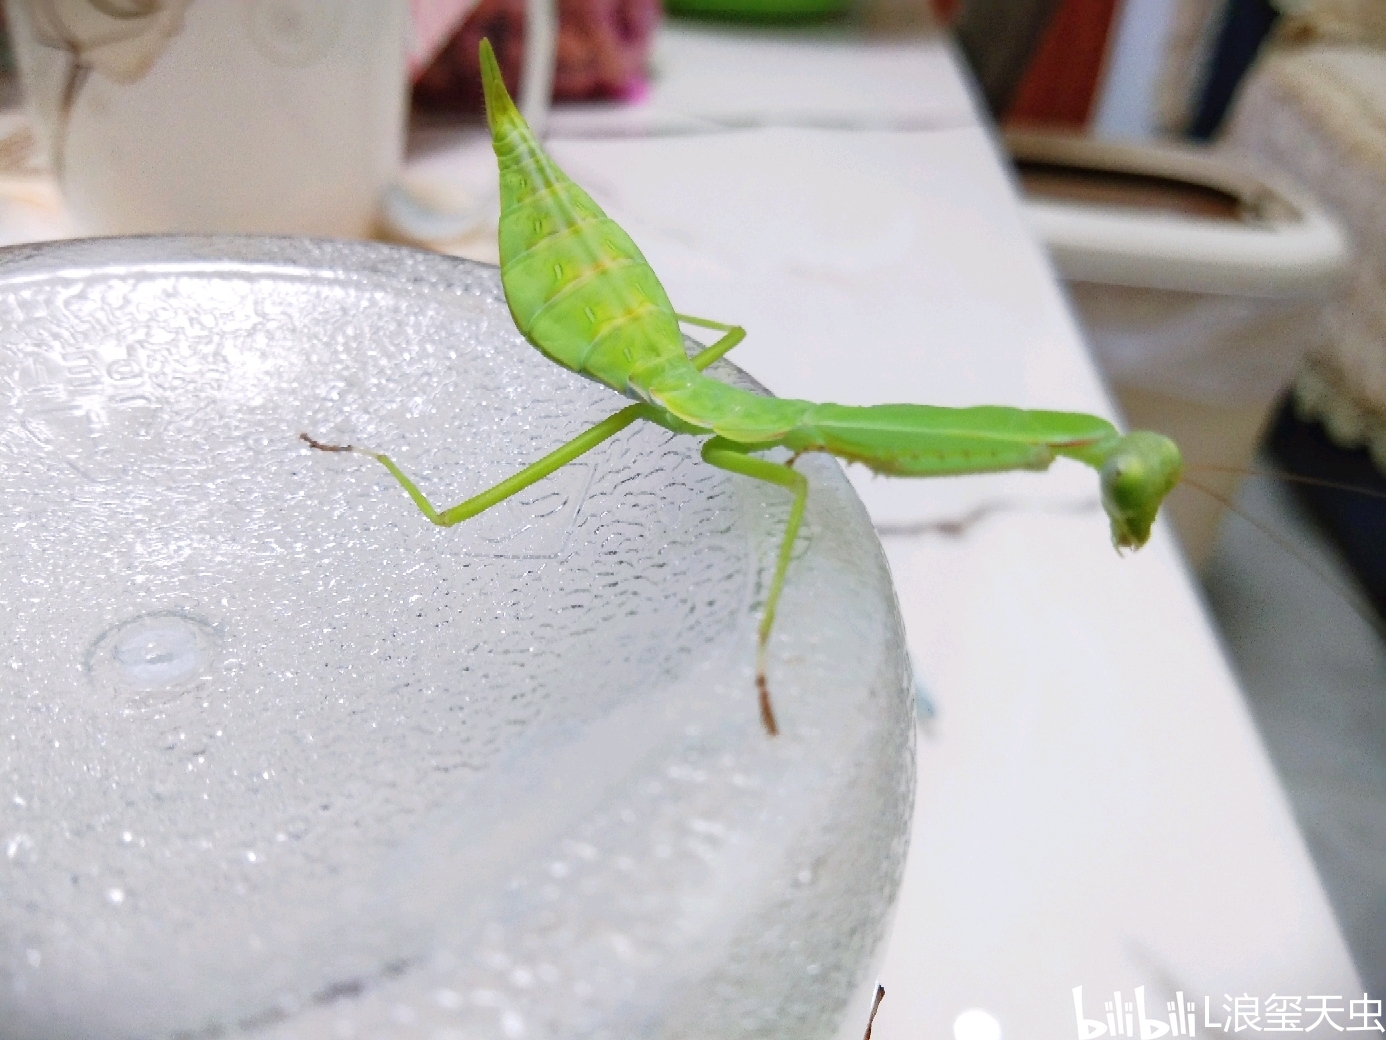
(282, 758)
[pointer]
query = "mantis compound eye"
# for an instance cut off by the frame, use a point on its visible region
(1141, 470)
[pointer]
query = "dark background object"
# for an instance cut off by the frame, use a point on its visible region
(998, 38)
(1355, 522)
(1061, 82)
(1245, 25)
(1039, 63)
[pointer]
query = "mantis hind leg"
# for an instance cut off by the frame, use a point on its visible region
(734, 335)
(511, 485)
(728, 455)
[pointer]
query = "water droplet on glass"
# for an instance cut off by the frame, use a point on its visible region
(151, 660)
(16, 844)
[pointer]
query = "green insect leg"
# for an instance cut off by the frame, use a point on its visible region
(728, 455)
(531, 474)
(734, 335)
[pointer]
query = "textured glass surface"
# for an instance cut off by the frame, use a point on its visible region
(281, 757)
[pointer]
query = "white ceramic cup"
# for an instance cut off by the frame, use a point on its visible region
(253, 116)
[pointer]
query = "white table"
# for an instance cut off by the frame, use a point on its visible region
(1095, 808)
(708, 78)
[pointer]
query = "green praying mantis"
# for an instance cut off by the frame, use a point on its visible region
(582, 293)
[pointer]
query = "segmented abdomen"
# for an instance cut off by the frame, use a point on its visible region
(579, 289)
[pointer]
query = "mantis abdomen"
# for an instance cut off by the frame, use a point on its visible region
(578, 287)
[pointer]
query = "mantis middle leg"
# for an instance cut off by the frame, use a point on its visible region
(531, 474)
(734, 335)
(733, 457)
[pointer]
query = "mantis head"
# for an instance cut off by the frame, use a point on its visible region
(1141, 469)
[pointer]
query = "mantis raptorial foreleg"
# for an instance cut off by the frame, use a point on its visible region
(534, 472)
(729, 455)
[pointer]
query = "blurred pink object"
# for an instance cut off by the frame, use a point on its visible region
(434, 23)
(602, 48)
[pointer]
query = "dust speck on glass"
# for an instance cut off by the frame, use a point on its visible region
(280, 755)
